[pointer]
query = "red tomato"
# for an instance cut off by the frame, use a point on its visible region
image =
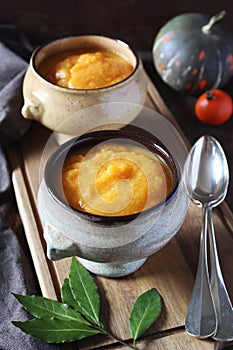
(214, 107)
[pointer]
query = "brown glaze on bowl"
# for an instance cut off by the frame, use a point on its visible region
(89, 140)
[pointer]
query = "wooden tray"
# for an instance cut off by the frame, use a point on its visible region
(171, 270)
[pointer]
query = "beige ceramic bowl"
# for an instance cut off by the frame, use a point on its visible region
(51, 105)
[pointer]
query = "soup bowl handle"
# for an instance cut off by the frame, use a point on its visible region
(32, 108)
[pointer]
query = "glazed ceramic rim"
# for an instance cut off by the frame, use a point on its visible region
(102, 89)
(56, 161)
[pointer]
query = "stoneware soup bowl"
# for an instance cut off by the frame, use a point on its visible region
(111, 246)
(51, 104)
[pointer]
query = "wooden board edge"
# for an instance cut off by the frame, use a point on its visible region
(31, 226)
(162, 107)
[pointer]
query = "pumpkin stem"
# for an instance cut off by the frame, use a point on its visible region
(214, 19)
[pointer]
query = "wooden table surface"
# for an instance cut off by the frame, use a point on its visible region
(171, 270)
(182, 108)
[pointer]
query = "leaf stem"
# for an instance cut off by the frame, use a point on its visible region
(110, 335)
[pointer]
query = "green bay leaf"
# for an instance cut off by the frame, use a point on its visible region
(67, 296)
(145, 311)
(56, 331)
(42, 307)
(84, 291)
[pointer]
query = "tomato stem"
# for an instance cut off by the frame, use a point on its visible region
(209, 95)
(214, 19)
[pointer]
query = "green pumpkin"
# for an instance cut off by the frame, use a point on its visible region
(194, 53)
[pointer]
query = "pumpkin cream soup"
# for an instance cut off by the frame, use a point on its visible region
(115, 179)
(88, 70)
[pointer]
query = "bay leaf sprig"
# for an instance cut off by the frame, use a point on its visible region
(145, 311)
(78, 316)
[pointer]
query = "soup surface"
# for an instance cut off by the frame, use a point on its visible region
(85, 70)
(115, 179)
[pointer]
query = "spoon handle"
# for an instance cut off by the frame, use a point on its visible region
(200, 319)
(221, 298)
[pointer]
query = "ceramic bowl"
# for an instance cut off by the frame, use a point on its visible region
(111, 246)
(51, 104)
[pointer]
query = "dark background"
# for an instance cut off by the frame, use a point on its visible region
(135, 22)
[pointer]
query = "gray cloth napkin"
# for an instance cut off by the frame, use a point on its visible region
(17, 274)
(12, 70)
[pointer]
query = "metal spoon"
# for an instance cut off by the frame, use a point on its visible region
(201, 315)
(207, 178)
(219, 183)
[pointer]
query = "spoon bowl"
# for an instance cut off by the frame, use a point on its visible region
(206, 172)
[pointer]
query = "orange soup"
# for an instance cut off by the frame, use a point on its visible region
(85, 70)
(115, 179)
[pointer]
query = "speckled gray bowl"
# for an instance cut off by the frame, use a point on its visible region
(110, 246)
